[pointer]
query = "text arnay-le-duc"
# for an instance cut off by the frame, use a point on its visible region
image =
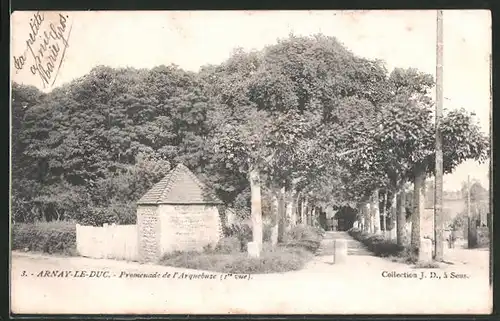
(74, 274)
(424, 275)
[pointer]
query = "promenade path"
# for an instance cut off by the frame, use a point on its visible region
(356, 287)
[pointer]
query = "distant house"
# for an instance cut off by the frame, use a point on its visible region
(179, 213)
(453, 207)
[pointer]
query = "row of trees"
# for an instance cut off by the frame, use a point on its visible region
(300, 124)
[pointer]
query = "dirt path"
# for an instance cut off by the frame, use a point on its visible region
(354, 247)
(358, 286)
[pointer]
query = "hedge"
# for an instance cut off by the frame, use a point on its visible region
(377, 244)
(56, 237)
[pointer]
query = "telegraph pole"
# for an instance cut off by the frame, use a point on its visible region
(438, 188)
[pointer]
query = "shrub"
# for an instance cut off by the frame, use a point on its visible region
(266, 232)
(57, 237)
(311, 246)
(242, 232)
(303, 232)
(97, 216)
(304, 237)
(228, 245)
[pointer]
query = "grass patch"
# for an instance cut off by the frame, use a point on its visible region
(277, 260)
(427, 265)
(56, 237)
(230, 256)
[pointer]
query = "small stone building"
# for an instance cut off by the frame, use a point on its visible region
(179, 213)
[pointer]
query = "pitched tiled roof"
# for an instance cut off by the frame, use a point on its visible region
(180, 186)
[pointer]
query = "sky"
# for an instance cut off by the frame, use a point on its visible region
(191, 39)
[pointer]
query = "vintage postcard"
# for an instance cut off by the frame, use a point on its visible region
(251, 162)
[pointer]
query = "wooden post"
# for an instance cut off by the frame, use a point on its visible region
(340, 251)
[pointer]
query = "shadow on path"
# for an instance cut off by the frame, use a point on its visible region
(353, 247)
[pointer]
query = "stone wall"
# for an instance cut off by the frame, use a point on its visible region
(148, 227)
(188, 227)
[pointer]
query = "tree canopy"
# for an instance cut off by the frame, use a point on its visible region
(306, 113)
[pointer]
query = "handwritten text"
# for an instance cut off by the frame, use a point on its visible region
(45, 48)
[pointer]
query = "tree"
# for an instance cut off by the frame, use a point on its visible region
(295, 85)
(479, 199)
(121, 114)
(24, 187)
(303, 118)
(239, 128)
(398, 144)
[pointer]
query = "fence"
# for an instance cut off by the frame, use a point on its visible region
(109, 241)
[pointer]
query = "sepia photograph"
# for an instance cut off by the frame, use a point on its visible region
(251, 162)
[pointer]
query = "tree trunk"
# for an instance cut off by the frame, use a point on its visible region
(275, 200)
(303, 213)
(359, 217)
(369, 221)
(384, 212)
(256, 211)
(401, 218)
(364, 220)
(376, 211)
(293, 219)
(418, 206)
(315, 217)
(289, 211)
(282, 215)
(394, 204)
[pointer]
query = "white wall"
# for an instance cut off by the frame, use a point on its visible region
(108, 242)
(188, 227)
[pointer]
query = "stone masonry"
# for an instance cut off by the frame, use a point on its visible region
(148, 226)
(179, 213)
